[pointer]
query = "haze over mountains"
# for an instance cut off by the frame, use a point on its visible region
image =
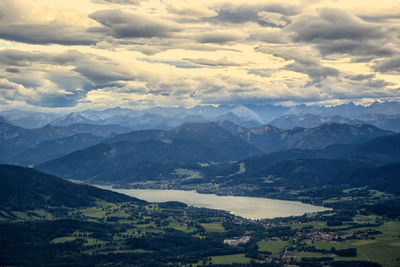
(381, 114)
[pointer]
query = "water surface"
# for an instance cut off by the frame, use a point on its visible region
(247, 207)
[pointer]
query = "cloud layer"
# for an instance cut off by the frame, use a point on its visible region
(138, 53)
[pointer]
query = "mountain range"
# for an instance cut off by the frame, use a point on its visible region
(386, 122)
(245, 115)
(15, 139)
(139, 155)
(374, 164)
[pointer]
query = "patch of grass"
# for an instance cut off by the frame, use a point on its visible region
(122, 251)
(272, 246)
(41, 213)
(92, 241)
(213, 227)
(21, 215)
(303, 254)
(182, 228)
(315, 225)
(119, 213)
(63, 239)
(188, 174)
(94, 212)
(328, 245)
(230, 259)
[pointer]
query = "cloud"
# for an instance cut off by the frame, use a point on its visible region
(337, 33)
(380, 16)
(58, 79)
(303, 63)
(332, 24)
(220, 37)
(119, 2)
(108, 52)
(12, 70)
(262, 72)
(55, 100)
(121, 24)
(47, 34)
(223, 62)
(101, 74)
(271, 15)
(13, 57)
(388, 65)
(360, 77)
(356, 48)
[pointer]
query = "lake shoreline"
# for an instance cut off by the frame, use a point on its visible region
(244, 206)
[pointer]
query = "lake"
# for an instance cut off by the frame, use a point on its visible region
(247, 207)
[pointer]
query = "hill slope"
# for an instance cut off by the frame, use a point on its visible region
(48, 150)
(25, 188)
(152, 153)
(339, 165)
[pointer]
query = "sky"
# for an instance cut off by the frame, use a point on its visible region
(97, 54)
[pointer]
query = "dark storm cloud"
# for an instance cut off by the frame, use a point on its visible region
(122, 24)
(333, 24)
(389, 65)
(229, 13)
(47, 34)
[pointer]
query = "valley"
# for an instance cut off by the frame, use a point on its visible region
(203, 193)
(113, 227)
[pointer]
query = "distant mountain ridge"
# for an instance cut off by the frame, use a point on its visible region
(14, 139)
(271, 139)
(386, 122)
(156, 153)
(249, 115)
(334, 165)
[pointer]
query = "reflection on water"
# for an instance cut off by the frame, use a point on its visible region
(248, 207)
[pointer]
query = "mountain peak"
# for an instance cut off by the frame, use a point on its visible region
(71, 118)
